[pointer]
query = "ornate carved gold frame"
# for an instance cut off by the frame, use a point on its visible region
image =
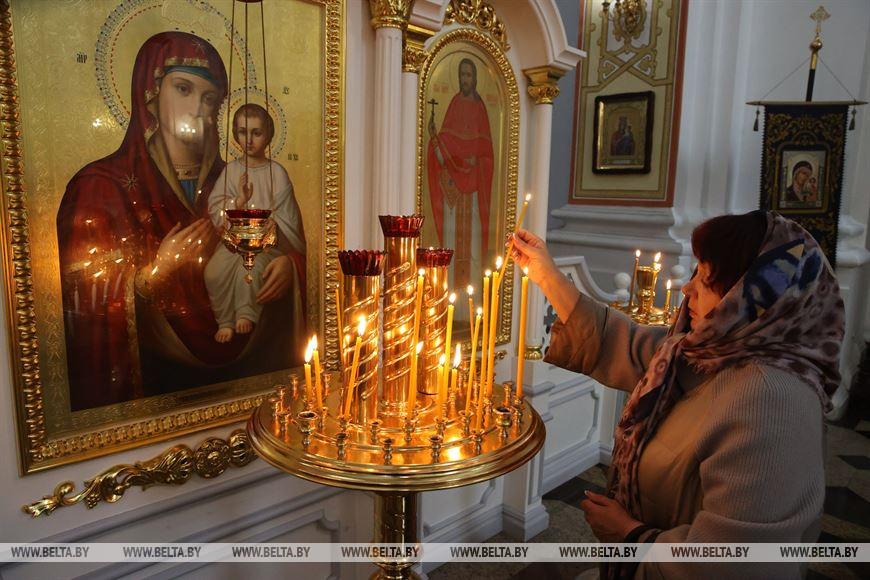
(40, 450)
(493, 48)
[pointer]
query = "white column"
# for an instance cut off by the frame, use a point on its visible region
(544, 88)
(387, 126)
(407, 193)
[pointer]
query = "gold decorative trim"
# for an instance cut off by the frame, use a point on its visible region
(487, 44)
(38, 449)
(174, 466)
(480, 14)
(534, 353)
(390, 13)
(543, 83)
(413, 53)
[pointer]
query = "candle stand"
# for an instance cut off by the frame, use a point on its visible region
(367, 430)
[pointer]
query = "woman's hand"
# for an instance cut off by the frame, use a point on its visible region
(182, 245)
(276, 279)
(607, 518)
(531, 252)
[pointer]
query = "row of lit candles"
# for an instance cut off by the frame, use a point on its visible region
(657, 266)
(447, 381)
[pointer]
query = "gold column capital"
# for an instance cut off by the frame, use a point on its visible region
(413, 53)
(390, 13)
(543, 83)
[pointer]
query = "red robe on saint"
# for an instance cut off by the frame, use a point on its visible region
(460, 161)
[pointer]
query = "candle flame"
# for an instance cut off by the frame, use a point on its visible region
(637, 253)
(526, 271)
(421, 271)
(309, 351)
(487, 274)
(419, 346)
(361, 329)
(119, 260)
(457, 360)
(154, 271)
(452, 297)
(479, 311)
(498, 262)
(442, 360)
(658, 257)
(314, 342)
(98, 274)
(668, 285)
(470, 290)
(92, 250)
(528, 197)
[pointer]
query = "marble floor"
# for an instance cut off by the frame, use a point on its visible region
(846, 519)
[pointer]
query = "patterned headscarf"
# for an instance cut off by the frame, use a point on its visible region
(785, 312)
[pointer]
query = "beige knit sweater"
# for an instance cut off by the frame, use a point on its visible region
(738, 459)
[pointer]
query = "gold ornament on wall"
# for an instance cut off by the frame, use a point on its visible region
(390, 13)
(629, 17)
(174, 466)
(480, 14)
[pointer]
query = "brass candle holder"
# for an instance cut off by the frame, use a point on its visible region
(433, 328)
(361, 286)
(249, 232)
(641, 305)
(401, 238)
(386, 448)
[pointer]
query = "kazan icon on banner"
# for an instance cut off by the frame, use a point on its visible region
(465, 160)
(802, 175)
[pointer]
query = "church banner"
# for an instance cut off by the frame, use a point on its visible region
(802, 166)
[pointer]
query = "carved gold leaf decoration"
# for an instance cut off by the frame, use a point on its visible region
(480, 14)
(174, 466)
(390, 13)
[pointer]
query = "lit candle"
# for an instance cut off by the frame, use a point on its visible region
(454, 374)
(308, 392)
(516, 229)
(493, 328)
(470, 291)
(318, 382)
(440, 377)
(450, 308)
(351, 386)
(521, 349)
(656, 259)
(668, 302)
(484, 343)
(412, 386)
(473, 365)
(633, 278)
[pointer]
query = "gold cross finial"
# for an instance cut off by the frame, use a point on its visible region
(820, 15)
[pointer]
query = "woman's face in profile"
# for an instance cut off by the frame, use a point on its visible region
(702, 298)
(187, 106)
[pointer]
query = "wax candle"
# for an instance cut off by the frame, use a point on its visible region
(447, 344)
(493, 328)
(473, 364)
(318, 381)
(454, 373)
(521, 349)
(412, 385)
(668, 301)
(470, 291)
(440, 377)
(484, 343)
(308, 392)
(516, 229)
(633, 278)
(351, 386)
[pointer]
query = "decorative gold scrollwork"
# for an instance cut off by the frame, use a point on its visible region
(480, 14)
(390, 13)
(172, 467)
(543, 84)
